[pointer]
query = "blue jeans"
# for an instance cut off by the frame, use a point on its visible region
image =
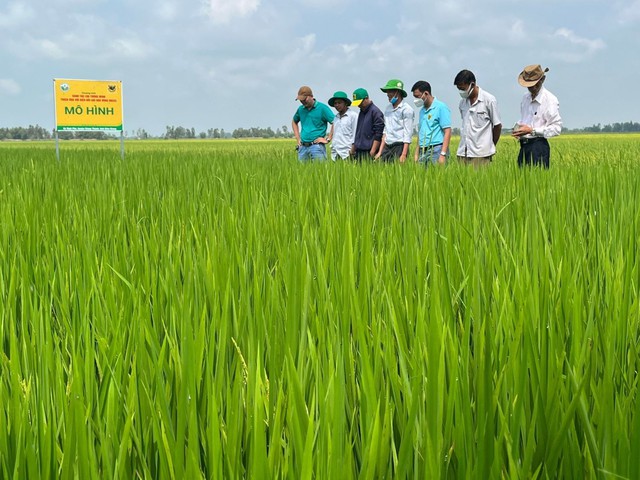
(315, 152)
(430, 153)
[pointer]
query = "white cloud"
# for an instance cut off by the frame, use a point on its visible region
(130, 48)
(48, 48)
(223, 11)
(631, 12)
(580, 47)
(15, 15)
(167, 11)
(10, 87)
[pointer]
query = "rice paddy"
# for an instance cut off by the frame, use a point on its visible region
(215, 309)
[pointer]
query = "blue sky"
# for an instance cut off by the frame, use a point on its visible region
(239, 63)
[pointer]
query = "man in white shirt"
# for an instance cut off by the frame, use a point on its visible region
(539, 118)
(343, 129)
(481, 124)
(398, 124)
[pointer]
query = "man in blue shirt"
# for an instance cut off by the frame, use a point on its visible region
(313, 118)
(434, 128)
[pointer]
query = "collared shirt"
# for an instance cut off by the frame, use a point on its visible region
(313, 121)
(370, 127)
(478, 120)
(344, 132)
(433, 121)
(542, 113)
(398, 123)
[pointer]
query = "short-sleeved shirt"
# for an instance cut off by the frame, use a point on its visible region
(398, 123)
(478, 120)
(313, 121)
(433, 121)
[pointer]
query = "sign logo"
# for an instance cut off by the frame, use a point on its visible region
(64, 87)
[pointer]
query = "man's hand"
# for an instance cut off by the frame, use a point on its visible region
(442, 159)
(321, 140)
(402, 158)
(522, 130)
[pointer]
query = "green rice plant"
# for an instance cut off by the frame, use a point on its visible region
(215, 309)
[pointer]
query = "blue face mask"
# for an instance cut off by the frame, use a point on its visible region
(394, 100)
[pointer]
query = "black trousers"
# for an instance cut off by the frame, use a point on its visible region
(361, 155)
(392, 151)
(534, 152)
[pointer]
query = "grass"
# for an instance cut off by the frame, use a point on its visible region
(217, 310)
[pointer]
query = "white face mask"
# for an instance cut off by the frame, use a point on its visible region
(466, 93)
(418, 102)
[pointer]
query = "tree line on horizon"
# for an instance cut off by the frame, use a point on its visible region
(36, 132)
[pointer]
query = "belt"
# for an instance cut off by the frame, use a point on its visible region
(306, 144)
(431, 146)
(528, 140)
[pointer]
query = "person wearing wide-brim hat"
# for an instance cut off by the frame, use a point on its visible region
(313, 118)
(398, 124)
(343, 129)
(539, 118)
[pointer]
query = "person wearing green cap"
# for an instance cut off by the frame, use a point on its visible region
(313, 117)
(343, 129)
(398, 124)
(369, 129)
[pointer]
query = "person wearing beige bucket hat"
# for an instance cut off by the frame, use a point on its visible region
(539, 118)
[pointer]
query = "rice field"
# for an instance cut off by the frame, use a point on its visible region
(214, 309)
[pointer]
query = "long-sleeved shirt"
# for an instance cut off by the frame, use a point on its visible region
(542, 114)
(369, 128)
(398, 123)
(344, 131)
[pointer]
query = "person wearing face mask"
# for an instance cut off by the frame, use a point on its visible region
(434, 125)
(398, 124)
(481, 124)
(313, 118)
(539, 118)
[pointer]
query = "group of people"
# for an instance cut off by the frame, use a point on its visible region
(387, 136)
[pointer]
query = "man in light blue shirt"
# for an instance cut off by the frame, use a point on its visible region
(434, 127)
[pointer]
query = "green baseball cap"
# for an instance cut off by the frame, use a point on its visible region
(359, 94)
(339, 96)
(395, 84)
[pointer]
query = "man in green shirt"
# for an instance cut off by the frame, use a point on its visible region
(313, 118)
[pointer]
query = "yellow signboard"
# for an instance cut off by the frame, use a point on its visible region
(88, 105)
